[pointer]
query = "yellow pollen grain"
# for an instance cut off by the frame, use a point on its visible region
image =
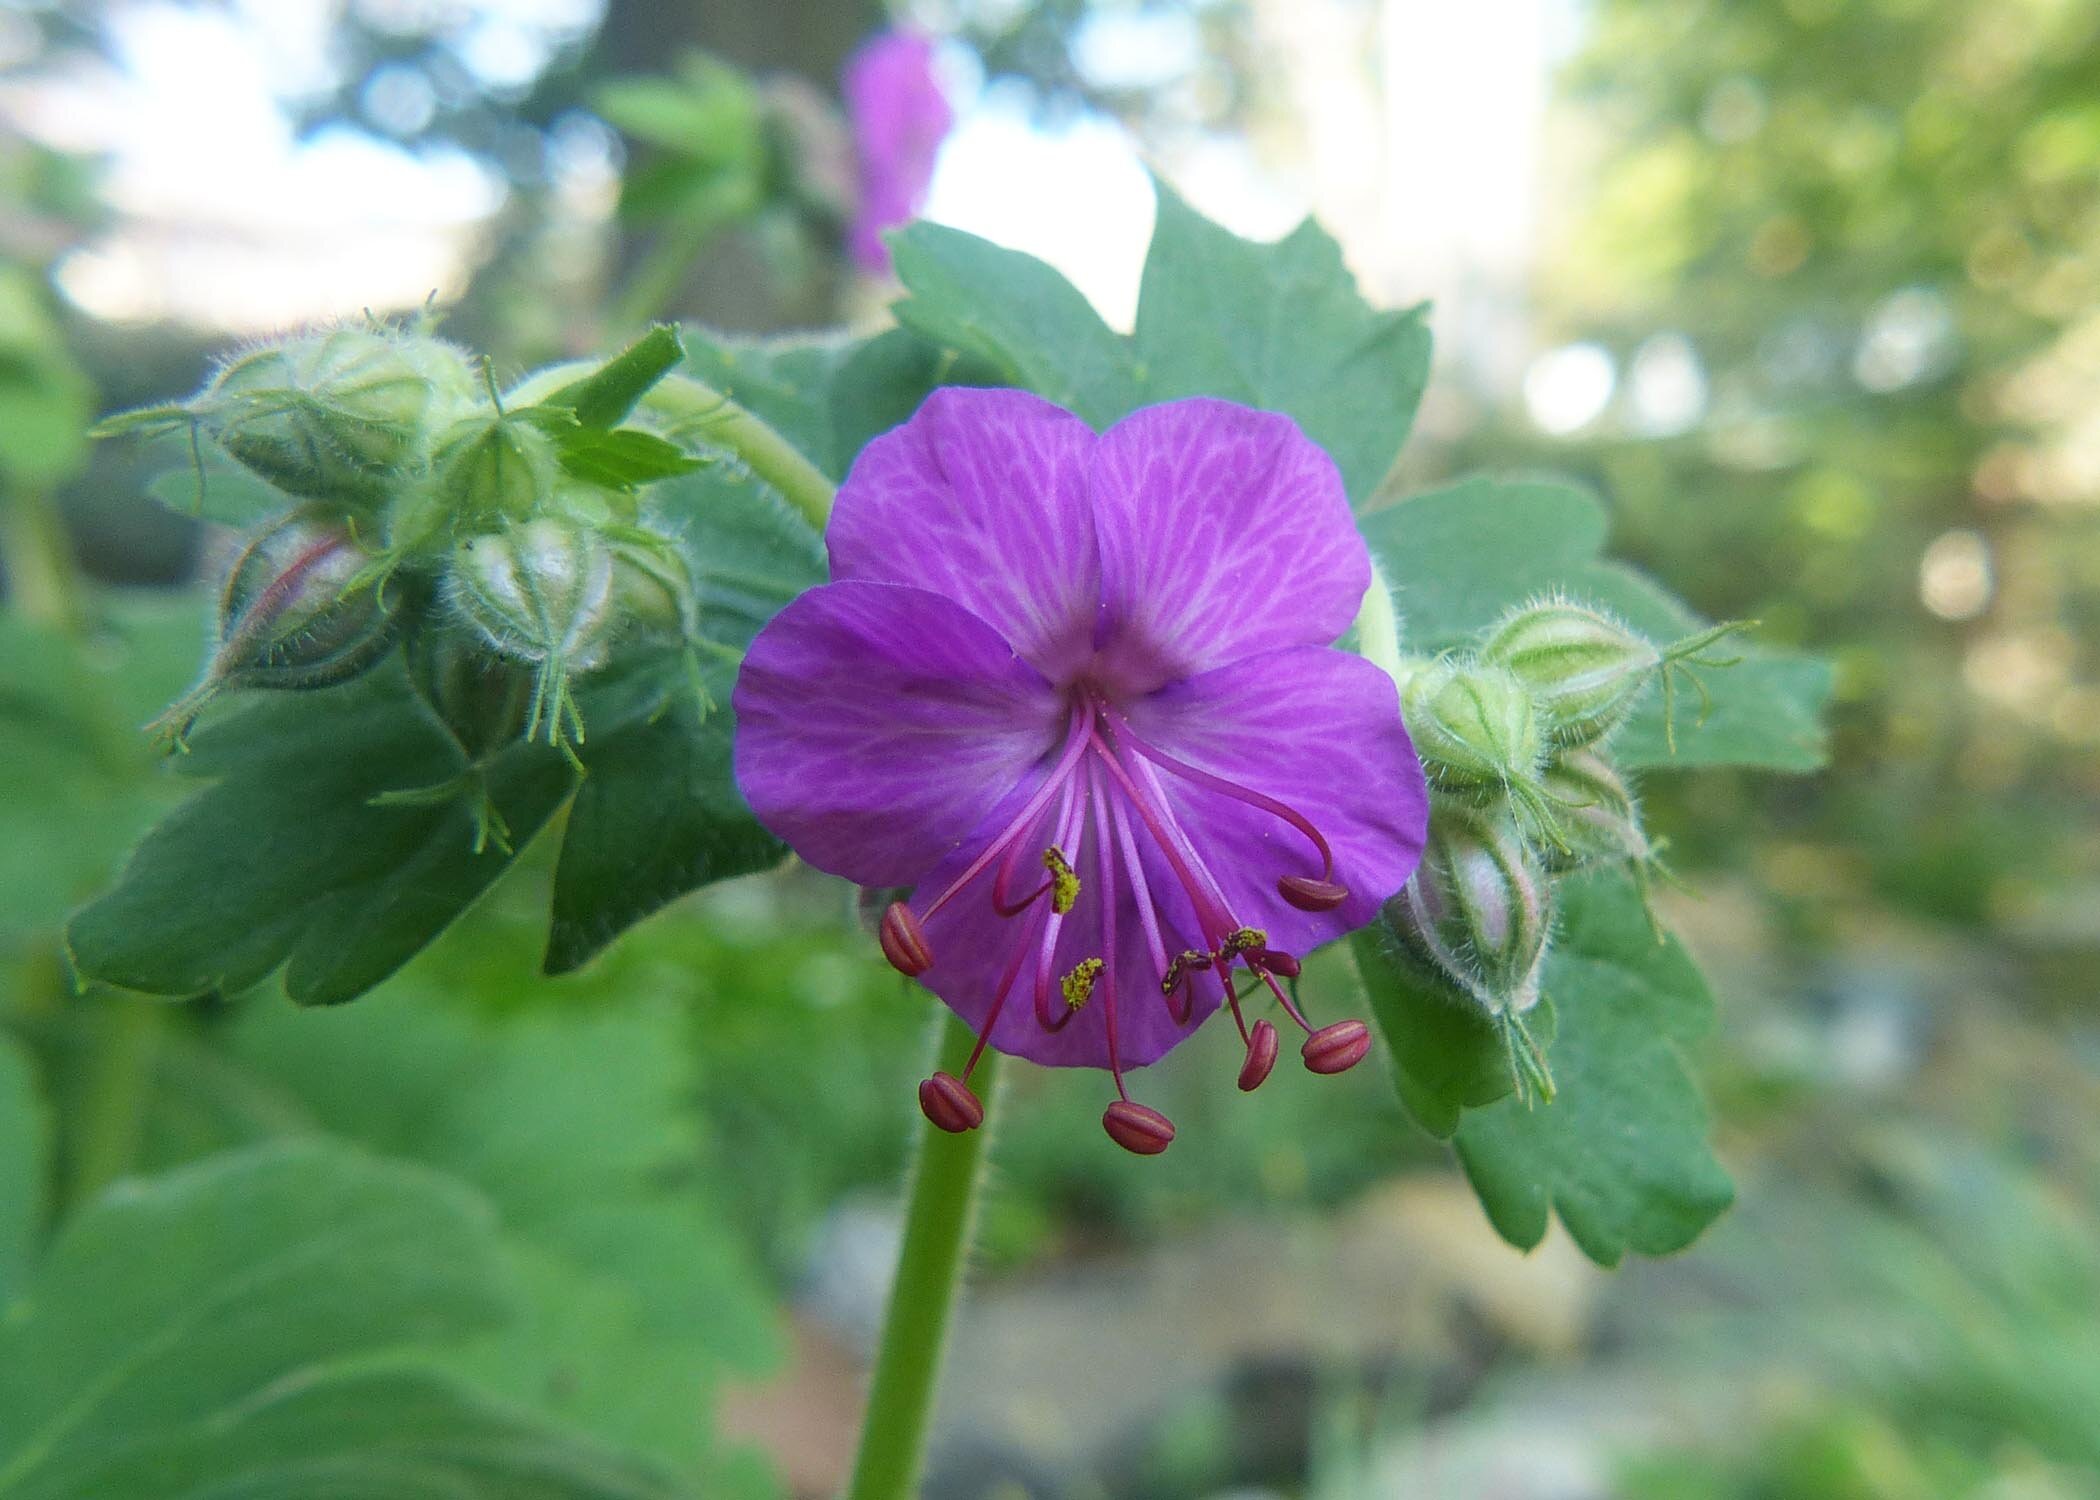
(1079, 984)
(1245, 940)
(1064, 882)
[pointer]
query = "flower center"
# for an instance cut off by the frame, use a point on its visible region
(1105, 791)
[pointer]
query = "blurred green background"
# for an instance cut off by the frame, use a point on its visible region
(1810, 289)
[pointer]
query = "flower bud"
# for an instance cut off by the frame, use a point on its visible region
(288, 616)
(340, 416)
(490, 468)
(1474, 727)
(1585, 670)
(653, 593)
(1478, 908)
(479, 697)
(1595, 812)
(540, 593)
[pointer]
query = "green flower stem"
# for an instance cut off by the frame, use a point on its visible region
(699, 410)
(937, 1226)
(40, 561)
(124, 1033)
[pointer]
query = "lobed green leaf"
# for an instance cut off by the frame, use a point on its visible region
(1621, 1152)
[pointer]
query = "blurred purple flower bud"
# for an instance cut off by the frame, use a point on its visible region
(900, 117)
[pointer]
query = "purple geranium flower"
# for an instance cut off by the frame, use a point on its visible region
(900, 117)
(1078, 691)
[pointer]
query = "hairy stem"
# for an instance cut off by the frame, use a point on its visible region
(937, 1226)
(698, 410)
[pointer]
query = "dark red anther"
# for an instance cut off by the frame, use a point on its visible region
(948, 1102)
(1261, 1057)
(904, 941)
(1337, 1048)
(1308, 894)
(1276, 961)
(1137, 1128)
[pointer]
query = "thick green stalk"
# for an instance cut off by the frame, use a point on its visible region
(699, 410)
(937, 1226)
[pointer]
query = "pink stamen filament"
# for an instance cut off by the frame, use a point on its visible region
(1105, 871)
(1006, 985)
(1076, 741)
(1219, 784)
(1148, 915)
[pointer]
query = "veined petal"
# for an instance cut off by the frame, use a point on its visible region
(877, 725)
(981, 497)
(1318, 730)
(1224, 532)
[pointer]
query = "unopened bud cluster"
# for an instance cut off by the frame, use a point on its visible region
(423, 507)
(1515, 738)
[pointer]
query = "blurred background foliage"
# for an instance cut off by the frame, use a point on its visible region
(1808, 288)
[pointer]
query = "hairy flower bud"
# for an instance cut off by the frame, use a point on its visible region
(539, 592)
(1595, 811)
(491, 467)
(1478, 909)
(1585, 669)
(652, 591)
(339, 416)
(289, 618)
(1473, 725)
(481, 698)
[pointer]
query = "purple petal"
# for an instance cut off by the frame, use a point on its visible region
(973, 947)
(877, 725)
(1224, 532)
(1320, 731)
(981, 498)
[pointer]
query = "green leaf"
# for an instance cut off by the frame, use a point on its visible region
(1280, 326)
(1446, 1055)
(225, 492)
(604, 398)
(25, 1149)
(623, 459)
(826, 396)
(577, 1123)
(1457, 558)
(1621, 1153)
(659, 815)
(369, 1436)
(78, 774)
(1030, 325)
(300, 867)
(750, 551)
(197, 1335)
